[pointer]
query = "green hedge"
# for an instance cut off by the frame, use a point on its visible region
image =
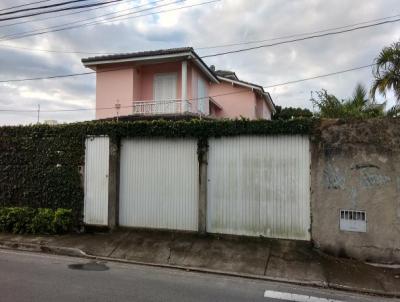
(35, 221)
(40, 164)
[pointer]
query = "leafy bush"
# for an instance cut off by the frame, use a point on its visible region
(290, 113)
(63, 221)
(42, 222)
(16, 220)
(35, 221)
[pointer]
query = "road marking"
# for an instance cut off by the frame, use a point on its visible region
(294, 297)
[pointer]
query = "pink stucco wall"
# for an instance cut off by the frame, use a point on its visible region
(112, 87)
(262, 110)
(234, 104)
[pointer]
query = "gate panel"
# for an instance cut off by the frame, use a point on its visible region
(159, 184)
(259, 186)
(96, 180)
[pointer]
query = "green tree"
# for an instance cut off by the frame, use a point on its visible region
(288, 113)
(358, 106)
(387, 72)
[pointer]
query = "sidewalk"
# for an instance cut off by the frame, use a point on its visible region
(279, 260)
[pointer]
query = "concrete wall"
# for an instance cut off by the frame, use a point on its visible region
(356, 166)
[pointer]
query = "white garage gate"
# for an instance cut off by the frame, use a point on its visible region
(159, 184)
(259, 186)
(96, 180)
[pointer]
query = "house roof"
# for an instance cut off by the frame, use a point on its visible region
(227, 74)
(129, 55)
(161, 54)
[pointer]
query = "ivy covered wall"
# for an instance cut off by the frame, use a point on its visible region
(40, 164)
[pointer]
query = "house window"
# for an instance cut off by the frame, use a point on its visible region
(164, 86)
(202, 95)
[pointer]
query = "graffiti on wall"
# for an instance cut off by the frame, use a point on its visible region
(370, 176)
(333, 178)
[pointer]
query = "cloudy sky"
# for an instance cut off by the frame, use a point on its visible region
(159, 24)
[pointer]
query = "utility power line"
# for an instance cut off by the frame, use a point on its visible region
(202, 48)
(57, 10)
(320, 76)
(224, 53)
(295, 35)
(111, 19)
(41, 7)
(22, 5)
(59, 16)
(300, 39)
(117, 18)
(73, 13)
(192, 99)
(51, 77)
(69, 24)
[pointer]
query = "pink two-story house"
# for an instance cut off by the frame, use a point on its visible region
(173, 82)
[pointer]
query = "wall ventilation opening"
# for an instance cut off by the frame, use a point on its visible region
(353, 221)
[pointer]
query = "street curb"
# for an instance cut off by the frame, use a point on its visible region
(43, 248)
(75, 252)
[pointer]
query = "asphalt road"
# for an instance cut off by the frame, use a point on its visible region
(39, 277)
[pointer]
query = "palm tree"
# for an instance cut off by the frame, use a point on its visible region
(387, 72)
(358, 106)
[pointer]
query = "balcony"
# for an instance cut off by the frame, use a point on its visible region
(161, 107)
(153, 107)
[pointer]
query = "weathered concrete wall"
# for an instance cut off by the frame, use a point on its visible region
(356, 166)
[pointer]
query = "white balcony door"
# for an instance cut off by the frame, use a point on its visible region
(165, 86)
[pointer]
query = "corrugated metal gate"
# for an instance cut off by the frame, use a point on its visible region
(159, 184)
(259, 186)
(96, 180)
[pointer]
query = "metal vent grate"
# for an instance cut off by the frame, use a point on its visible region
(352, 215)
(353, 221)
